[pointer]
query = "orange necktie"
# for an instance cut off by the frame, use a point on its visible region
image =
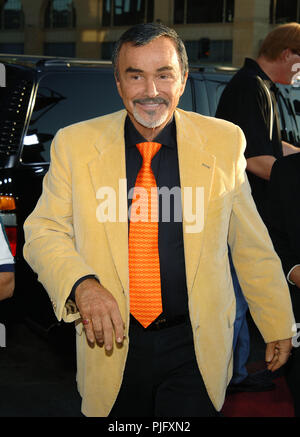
(144, 267)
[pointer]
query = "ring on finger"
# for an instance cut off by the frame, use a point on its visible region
(86, 321)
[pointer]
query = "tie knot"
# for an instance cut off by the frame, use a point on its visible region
(148, 150)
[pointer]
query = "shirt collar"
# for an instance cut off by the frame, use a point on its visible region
(166, 137)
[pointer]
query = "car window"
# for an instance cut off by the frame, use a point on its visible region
(14, 101)
(202, 106)
(294, 92)
(186, 100)
(289, 121)
(64, 98)
(215, 88)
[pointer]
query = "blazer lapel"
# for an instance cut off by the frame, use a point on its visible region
(108, 174)
(196, 175)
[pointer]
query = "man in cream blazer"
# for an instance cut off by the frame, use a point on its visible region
(70, 235)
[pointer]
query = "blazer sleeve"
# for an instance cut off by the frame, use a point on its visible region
(257, 265)
(49, 235)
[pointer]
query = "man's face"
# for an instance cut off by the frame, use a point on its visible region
(150, 82)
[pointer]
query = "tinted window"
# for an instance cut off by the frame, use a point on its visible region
(14, 100)
(214, 90)
(69, 97)
(12, 15)
(209, 50)
(128, 12)
(12, 48)
(186, 101)
(283, 11)
(60, 14)
(295, 99)
(201, 98)
(63, 99)
(289, 119)
(64, 49)
(204, 11)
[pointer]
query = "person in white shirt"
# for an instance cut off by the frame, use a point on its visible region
(7, 268)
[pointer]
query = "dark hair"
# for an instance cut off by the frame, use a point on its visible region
(142, 34)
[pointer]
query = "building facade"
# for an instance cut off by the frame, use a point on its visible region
(214, 31)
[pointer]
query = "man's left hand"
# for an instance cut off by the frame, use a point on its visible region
(277, 353)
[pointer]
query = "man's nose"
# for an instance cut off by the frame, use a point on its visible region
(151, 89)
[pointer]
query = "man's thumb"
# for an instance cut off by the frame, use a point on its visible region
(270, 349)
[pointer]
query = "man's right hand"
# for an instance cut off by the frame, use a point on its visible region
(98, 306)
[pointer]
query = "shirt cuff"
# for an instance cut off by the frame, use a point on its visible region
(288, 275)
(72, 294)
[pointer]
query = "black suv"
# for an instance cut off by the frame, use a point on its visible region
(41, 96)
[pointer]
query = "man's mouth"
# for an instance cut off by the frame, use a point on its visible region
(151, 104)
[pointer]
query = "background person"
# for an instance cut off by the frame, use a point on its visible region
(250, 101)
(176, 307)
(284, 209)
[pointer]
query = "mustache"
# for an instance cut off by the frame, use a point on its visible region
(154, 100)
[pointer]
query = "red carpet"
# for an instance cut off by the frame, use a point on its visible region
(275, 403)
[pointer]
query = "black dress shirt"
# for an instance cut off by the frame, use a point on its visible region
(165, 168)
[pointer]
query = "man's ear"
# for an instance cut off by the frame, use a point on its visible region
(118, 84)
(184, 83)
(285, 54)
(116, 77)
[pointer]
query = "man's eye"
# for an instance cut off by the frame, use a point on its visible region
(166, 76)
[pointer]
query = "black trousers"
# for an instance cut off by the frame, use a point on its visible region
(292, 367)
(161, 377)
(292, 370)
